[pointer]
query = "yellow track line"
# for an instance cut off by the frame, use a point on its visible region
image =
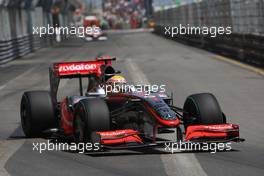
(240, 64)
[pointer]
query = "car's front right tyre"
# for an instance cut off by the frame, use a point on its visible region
(202, 109)
(37, 113)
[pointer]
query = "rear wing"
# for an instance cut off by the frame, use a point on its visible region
(68, 70)
(77, 69)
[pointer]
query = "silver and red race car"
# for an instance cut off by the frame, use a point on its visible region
(93, 30)
(120, 120)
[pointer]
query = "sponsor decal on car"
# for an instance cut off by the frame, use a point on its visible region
(78, 68)
(117, 133)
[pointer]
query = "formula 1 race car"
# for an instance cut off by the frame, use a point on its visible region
(128, 119)
(96, 33)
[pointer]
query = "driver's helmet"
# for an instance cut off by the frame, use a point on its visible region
(116, 84)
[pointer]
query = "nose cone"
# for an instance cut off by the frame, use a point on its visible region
(170, 123)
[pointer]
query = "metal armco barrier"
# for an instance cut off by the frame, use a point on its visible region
(246, 17)
(19, 47)
(17, 19)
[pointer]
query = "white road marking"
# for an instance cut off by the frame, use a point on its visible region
(9, 147)
(137, 75)
(18, 77)
(181, 163)
(2, 87)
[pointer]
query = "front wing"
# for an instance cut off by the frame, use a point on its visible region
(129, 139)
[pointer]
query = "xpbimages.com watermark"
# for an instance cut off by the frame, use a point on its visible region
(192, 146)
(79, 31)
(58, 146)
(124, 88)
(213, 148)
(212, 31)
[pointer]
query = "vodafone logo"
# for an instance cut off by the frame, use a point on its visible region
(77, 67)
(220, 127)
(117, 133)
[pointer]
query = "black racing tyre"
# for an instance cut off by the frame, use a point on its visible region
(91, 115)
(202, 109)
(37, 113)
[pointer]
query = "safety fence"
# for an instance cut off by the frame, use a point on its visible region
(246, 17)
(17, 19)
(21, 46)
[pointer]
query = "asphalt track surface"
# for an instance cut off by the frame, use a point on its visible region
(143, 57)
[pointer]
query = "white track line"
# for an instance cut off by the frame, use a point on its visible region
(2, 87)
(18, 77)
(9, 147)
(175, 164)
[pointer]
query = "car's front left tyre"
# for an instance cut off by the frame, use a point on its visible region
(91, 116)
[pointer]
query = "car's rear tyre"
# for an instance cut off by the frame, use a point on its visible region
(37, 113)
(202, 109)
(91, 115)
